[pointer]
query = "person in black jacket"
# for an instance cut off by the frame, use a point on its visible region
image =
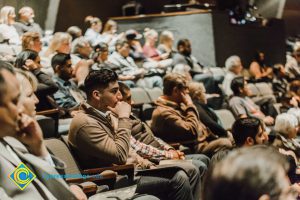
(207, 116)
(29, 60)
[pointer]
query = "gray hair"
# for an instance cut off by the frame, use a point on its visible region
(78, 43)
(232, 62)
(295, 112)
(284, 123)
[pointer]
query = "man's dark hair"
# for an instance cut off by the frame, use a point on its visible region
(99, 80)
(23, 56)
(247, 173)
(237, 84)
(173, 80)
(182, 42)
(8, 67)
(244, 128)
(59, 59)
(123, 88)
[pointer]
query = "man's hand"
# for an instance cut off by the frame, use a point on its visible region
(31, 134)
(30, 65)
(177, 155)
(122, 109)
(187, 100)
(77, 191)
(269, 120)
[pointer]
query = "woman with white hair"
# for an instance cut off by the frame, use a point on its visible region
(286, 128)
(7, 29)
(234, 68)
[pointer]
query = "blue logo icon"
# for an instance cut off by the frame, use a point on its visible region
(22, 176)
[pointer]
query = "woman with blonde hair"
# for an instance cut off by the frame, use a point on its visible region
(166, 40)
(28, 86)
(7, 30)
(92, 34)
(61, 43)
(110, 34)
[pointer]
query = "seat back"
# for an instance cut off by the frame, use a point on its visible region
(47, 125)
(60, 150)
(253, 89)
(226, 117)
(154, 93)
(140, 96)
(264, 88)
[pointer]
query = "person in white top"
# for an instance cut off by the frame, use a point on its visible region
(7, 30)
(234, 68)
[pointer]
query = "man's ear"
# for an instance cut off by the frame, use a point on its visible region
(96, 95)
(250, 141)
(56, 68)
(264, 197)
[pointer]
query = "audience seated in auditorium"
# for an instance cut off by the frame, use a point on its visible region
(184, 56)
(60, 43)
(242, 105)
(129, 71)
(176, 119)
(15, 123)
(29, 60)
(26, 22)
(258, 68)
(110, 33)
(32, 41)
(166, 40)
(149, 48)
(7, 29)
(100, 136)
(150, 147)
(294, 90)
(81, 49)
(75, 32)
(234, 68)
(286, 128)
(136, 49)
(92, 34)
(249, 131)
(206, 114)
(230, 178)
(68, 96)
(292, 65)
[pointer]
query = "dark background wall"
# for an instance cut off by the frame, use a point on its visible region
(245, 40)
(291, 15)
(40, 7)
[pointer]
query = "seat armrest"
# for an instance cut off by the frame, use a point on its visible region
(89, 188)
(48, 112)
(120, 169)
(107, 178)
(175, 145)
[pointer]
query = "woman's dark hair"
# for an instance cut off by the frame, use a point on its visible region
(237, 84)
(99, 80)
(258, 59)
(244, 128)
(25, 55)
